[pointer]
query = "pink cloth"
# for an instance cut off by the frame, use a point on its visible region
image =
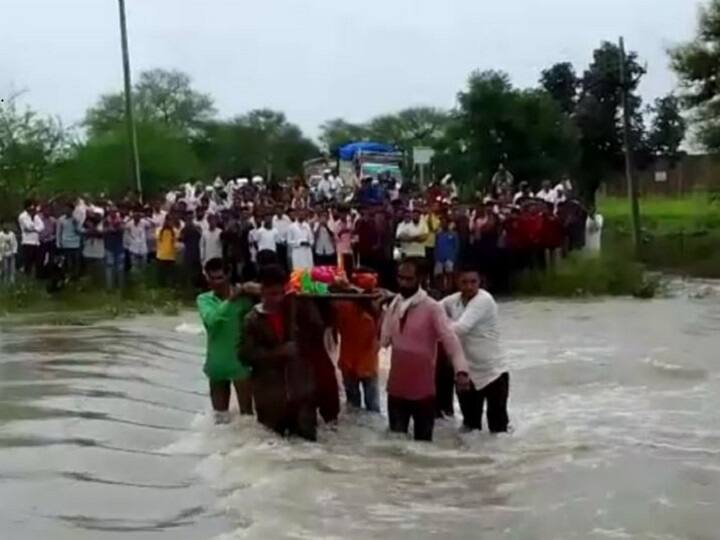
(343, 233)
(414, 350)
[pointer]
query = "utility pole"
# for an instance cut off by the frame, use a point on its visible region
(129, 117)
(633, 194)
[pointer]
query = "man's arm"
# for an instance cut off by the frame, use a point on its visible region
(212, 313)
(475, 311)
(449, 340)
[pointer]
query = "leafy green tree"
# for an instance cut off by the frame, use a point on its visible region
(598, 117)
(668, 128)
(30, 146)
(562, 83)
(259, 142)
(338, 132)
(101, 165)
(496, 123)
(416, 126)
(697, 63)
(160, 96)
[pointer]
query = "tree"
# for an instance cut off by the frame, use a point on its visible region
(668, 128)
(416, 126)
(496, 123)
(598, 119)
(338, 132)
(100, 165)
(562, 83)
(697, 63)
(259, 142)
(30, 146)
(160, 96)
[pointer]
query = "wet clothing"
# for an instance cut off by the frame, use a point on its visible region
(359, 344)
(477, 327)
(496, 395)
(422, 413)
(413, 327)
(222, 320)
(370, 392)
(286, 387)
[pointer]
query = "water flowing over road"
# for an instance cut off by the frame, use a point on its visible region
(104, 433)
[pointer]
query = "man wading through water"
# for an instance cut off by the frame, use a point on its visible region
(287, 355)
(413, 325)
(222, 311)
(473, 312)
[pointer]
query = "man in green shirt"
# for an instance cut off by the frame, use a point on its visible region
(222, 311)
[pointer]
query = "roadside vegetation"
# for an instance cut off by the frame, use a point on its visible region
(83, 297)
(680, 235)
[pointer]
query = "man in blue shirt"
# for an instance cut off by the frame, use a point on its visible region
(447, 245)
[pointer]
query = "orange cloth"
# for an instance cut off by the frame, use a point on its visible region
(359, 342)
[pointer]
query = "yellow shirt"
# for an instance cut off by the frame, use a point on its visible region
(166, 239)
(433, 225)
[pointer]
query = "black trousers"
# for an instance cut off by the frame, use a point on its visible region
(282, 253)
(496, 395)
(31, 260)
(422, 412)
(220, 395)
(298, 418)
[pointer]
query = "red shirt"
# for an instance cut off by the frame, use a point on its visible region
(277, 323)
(552, 232)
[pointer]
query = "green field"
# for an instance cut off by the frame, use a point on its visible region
(665, 215)
(680, 235)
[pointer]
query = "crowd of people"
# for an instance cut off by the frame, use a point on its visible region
(506, 230)
(431, 260)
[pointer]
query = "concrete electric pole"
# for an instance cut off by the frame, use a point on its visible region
(625, 85)
(129, 117)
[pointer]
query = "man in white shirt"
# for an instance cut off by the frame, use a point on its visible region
(137, 229)
(211, 242)
(546, 193)
(281, 223)
(31, 225)
(324, 250)
(300, 241)
(412, 234)
(324, 188)
(266, 237)
(474, 316)
(336, 185)
(593, 232)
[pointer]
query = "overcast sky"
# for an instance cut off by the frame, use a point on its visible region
(321, 59)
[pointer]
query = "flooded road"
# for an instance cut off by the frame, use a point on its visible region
(616, 434)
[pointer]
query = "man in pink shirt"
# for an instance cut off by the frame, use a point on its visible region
(413, 326)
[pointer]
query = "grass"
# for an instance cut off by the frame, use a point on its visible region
(679, 234)
(82, 297)
(664, 214)
(580, 275)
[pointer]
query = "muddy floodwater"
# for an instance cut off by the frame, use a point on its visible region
(615, 407)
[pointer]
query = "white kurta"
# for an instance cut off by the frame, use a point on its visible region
(301, 256)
